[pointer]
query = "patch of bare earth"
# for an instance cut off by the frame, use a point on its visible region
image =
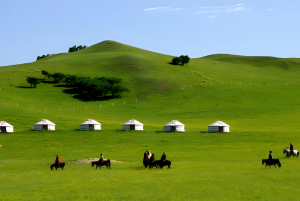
(89, 160)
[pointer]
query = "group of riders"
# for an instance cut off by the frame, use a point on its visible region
(149, 159)
(291, 151)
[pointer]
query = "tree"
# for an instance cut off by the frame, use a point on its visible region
(33, 81)
(73, 49)
(175, 61)
(58, 77)
(184, 59)
(46, 73)
(181, 60)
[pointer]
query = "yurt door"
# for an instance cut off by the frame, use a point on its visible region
(132, 127)
(3, 129)
(45, 127)
(91, 127)
(221, 129)
(173, 128)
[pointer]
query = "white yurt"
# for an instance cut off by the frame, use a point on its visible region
(174, 125)
(6, 127)
(90, 124)
(218, 126)
(44, 124)
(133, 125)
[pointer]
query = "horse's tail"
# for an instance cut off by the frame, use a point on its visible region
(297, 153)
(92, 163)
(108, 162)
(169, 166)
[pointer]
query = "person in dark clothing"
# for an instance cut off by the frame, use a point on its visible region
(152, 158)
(101, 158)
(292, 149)
(163, 157)
(270, 156)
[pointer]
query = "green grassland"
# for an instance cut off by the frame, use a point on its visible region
(257, 96)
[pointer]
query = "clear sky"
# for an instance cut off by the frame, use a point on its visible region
(31, 28)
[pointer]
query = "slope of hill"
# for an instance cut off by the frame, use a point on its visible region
(209, 87)
(257, 96)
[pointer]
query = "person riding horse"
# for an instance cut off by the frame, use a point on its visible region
(291, 148)
(101, 158)
(147, 158)
(57, 160)
(270, 156)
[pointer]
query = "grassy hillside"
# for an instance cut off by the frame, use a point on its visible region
(257, 96)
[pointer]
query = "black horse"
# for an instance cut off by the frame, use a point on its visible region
(271, 162)
(165, 163)
(58, 165)
(101, 163)
(154, 164)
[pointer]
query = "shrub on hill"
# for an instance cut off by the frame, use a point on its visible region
(43, 56)
(78, 48)
(181, 60)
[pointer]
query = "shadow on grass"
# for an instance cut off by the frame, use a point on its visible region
(48, 82)
(24, 87)
(203, 131)
(85, 96)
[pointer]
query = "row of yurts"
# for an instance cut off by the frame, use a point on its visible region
(90, 124)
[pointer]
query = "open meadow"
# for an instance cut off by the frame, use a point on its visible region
(257, 96)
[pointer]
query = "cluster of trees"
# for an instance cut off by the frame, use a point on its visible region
(33, 81)
(44, 56)
(74, 48)
(181, 60)
(97, 87)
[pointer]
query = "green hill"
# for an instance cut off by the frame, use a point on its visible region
(257, 96)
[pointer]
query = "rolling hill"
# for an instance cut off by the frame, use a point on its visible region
(257, 96)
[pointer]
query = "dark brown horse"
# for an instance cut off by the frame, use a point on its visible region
(271, 162)
(99, 164)
(165, 163)
(154, 164)
(58, 165)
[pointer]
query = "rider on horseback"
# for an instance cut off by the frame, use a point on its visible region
(292, 149)
(57, 160)
(101, 158)
(163, 157)
(270, 156)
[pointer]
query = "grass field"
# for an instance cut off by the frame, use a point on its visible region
(257, 96)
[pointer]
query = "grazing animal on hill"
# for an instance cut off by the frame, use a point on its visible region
(101, 163)
(271, 162)
(58, 165)
(289, 153)
(165, 163)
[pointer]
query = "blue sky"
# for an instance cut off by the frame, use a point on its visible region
(31, 28)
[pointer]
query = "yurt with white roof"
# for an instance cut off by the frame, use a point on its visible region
(133, 125)
(91, 125)
(6, 127)
(218, 126)
(44, 124)
(174, 125)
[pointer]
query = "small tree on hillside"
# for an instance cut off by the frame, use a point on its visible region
(184, 59)
(46, 73)
(33, 81)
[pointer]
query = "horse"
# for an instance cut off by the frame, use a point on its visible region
(58, 165)
(165, 163)
(271, 162)
(101, 163)
(289, 153)
(154, 164)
